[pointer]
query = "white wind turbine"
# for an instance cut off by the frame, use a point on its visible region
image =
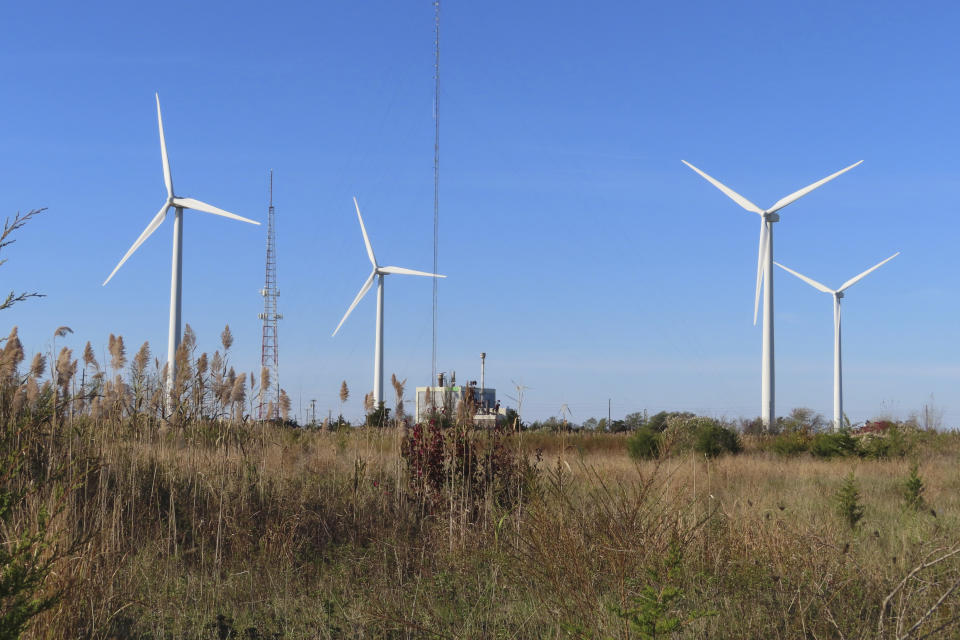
(765, 276)
(179, 204)
(837, 295)
(378, 272)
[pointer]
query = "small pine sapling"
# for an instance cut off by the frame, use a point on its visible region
(913, 489)
(849, 507)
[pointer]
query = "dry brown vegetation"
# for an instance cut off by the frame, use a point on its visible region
(197, 524)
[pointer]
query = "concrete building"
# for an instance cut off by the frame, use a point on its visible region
(446, 398)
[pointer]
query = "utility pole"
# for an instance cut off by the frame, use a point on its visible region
(483, 362)
(609, 426)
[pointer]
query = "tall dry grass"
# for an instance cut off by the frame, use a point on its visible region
(198, 523)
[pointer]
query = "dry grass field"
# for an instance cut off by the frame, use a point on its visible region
(261, 532)
(123, 519)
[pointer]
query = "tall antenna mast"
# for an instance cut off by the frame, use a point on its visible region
(436, 176)
(269, 400)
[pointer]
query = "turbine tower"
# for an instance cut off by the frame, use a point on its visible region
(837, 296)
(378, 273)
(269, 343)
(765, 276)
(179, 204)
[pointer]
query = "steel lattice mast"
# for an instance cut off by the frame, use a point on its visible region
(269, 399)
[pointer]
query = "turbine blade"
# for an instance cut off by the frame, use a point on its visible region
(761, 264)
(408, 272)
(366, 240)
(167, 179)
(156, 222)
(363, 291)
(733, 195)
(852, 281)
(810, 281)
(796, 195)
(196, 205)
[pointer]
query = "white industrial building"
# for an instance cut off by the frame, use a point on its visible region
(446, 398)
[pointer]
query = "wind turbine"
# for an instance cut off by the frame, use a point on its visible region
(765, 276)
(565, 414)
(179, 204)
(837, 295)
(378, 273)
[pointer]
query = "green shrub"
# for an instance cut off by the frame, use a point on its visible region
(678, 435)
(379, 417)
(884, 439)
(658, 609)
(831, 445)
(660, 421)
(643, 444)
(790, 444)
(913, 489)
(713, 439)
(848, 501)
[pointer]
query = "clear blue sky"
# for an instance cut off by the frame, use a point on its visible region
(581, 255)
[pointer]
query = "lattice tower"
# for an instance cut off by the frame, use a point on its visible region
(269, 345)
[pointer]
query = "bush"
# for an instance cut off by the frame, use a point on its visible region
(848, 501)
(752, 427)
(913, 489)
(644, 444)
(790, 444)
(889, 442)
(713, 439)
(464, 466)
(802, 419)
(379, 417)
(831, 445)
(661, 421)
(678, 435)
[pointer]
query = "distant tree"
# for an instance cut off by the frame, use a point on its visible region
(512, 420)
(658, 422)
(618, 426)
(635, 420)
(590, 423)
(378, 417)
(752, 426)
(802, 419)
